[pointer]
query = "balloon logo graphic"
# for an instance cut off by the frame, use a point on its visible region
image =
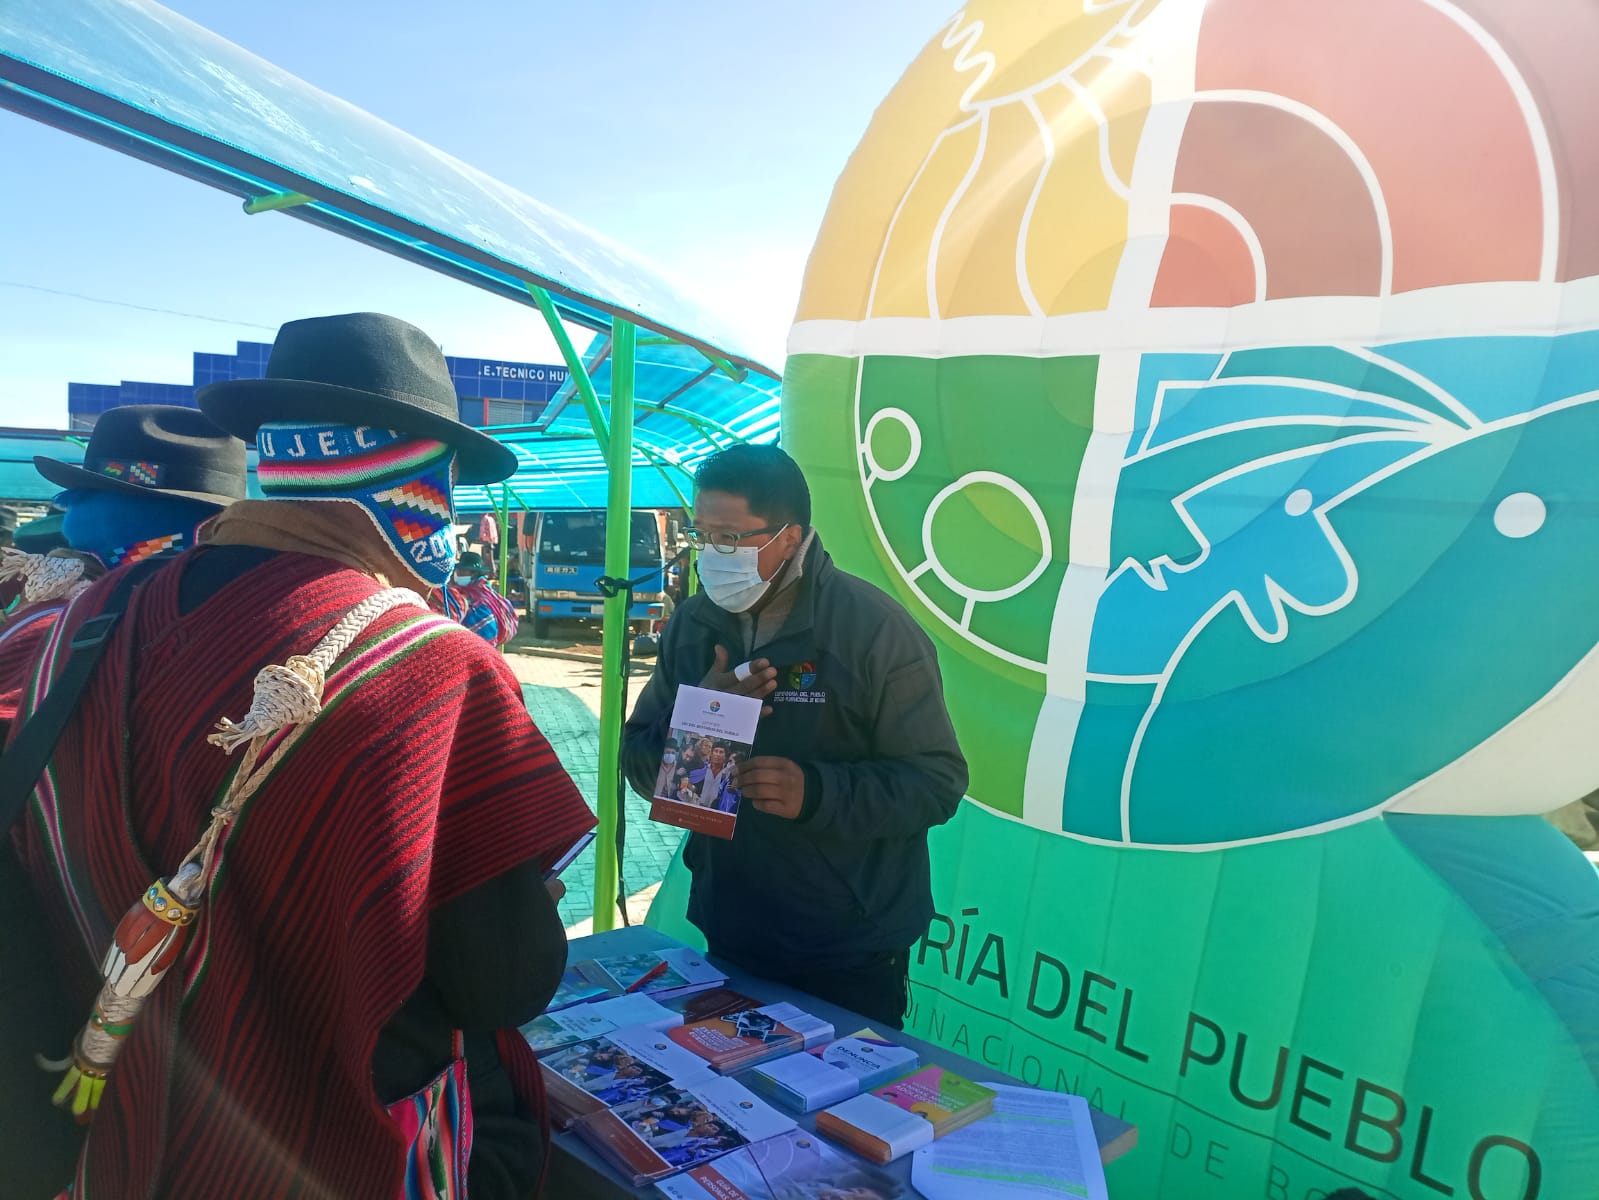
(1239, 428)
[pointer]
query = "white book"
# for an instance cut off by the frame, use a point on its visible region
(588, 1021)
(1035, 1145)
(875, 1128)
(834, 1072)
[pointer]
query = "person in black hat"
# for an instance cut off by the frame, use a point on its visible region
(152, 474)
(379, 924)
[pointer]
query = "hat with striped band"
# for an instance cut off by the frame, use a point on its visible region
(402, 482)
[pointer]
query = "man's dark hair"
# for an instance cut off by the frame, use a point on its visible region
(770, 482)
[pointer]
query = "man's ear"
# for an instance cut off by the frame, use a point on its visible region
(792, 537)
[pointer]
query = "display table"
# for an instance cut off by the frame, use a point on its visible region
(578, 1172)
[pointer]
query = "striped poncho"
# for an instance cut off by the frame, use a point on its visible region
(249, 1074)
(481, 609)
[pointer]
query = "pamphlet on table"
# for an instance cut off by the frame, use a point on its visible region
(795, 1164)
(574, 988)
(827, 1074)
(712, 732)
(752, 1035)
(660, 974)
(1036, 1145)
(585, 1022)
(904, 1115)
(679, 1127)
(620, 1067)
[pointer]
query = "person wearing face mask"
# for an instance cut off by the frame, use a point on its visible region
(469, 599)
(824, 884)
(666, 777)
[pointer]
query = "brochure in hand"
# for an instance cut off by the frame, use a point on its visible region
(712, 732)
(586, 1022)
(680, 1127)
(795, 1166)
(741, 1039)
(623, 1066)
(827, 1074)
(659, 974)
(904, 1115)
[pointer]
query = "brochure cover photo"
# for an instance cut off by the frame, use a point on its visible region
(712, 732)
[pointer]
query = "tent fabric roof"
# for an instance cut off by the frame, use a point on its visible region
(148, 82)
(686, 409)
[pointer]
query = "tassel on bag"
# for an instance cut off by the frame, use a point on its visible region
(151, 937)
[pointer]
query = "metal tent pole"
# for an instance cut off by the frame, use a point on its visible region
(618, 563)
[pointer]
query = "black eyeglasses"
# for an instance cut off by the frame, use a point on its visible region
(726, 543)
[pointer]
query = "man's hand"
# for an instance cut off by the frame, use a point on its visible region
(761, 681)
(555, 888)
(774, 785)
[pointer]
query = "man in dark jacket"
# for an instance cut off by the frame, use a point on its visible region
(824, 885)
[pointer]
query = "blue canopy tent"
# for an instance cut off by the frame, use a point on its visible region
(140, 79)
(684, 408)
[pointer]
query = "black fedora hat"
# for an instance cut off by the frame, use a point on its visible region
(358, 369)
(138, 449)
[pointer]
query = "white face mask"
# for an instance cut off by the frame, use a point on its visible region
(733, 581)
(463, 580)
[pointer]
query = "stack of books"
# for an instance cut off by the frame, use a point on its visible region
(902, 1116)
(623, 1066)
(659, 974)
(741, 1039)
(794, 1164)
(585, 1022)
(827, 1074)
(680, 1127)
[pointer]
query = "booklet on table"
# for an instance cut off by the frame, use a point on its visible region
(794, 1165)
(827, 1074)
(752, 1035)
(585, 1022)
(717, 730)
(681, 1126)
(659, 974)
(1036, 1145)
(574, 988)
(623, 1066)
(906, 1114)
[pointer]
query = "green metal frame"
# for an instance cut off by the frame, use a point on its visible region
(616, 443)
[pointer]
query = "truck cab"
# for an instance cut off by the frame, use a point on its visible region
(568, 556)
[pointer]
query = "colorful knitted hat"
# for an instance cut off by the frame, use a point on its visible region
(402, 482)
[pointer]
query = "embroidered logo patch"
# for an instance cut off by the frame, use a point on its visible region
(802, 676)
(149, 474)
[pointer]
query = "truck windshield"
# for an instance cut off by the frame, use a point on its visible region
(579, 538)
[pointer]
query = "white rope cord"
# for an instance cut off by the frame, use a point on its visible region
(285, 695)
(44, 576)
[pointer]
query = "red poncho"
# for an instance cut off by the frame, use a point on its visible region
(249, 1074)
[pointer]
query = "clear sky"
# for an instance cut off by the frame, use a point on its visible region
(705, 134)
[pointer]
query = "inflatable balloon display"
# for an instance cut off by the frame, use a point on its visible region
(1219, 384)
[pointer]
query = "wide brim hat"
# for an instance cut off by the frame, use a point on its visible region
(156, 449)
(362, 369)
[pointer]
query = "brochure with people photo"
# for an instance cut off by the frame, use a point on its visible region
(623, 1066)
(680, 1127)
(712, 733)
